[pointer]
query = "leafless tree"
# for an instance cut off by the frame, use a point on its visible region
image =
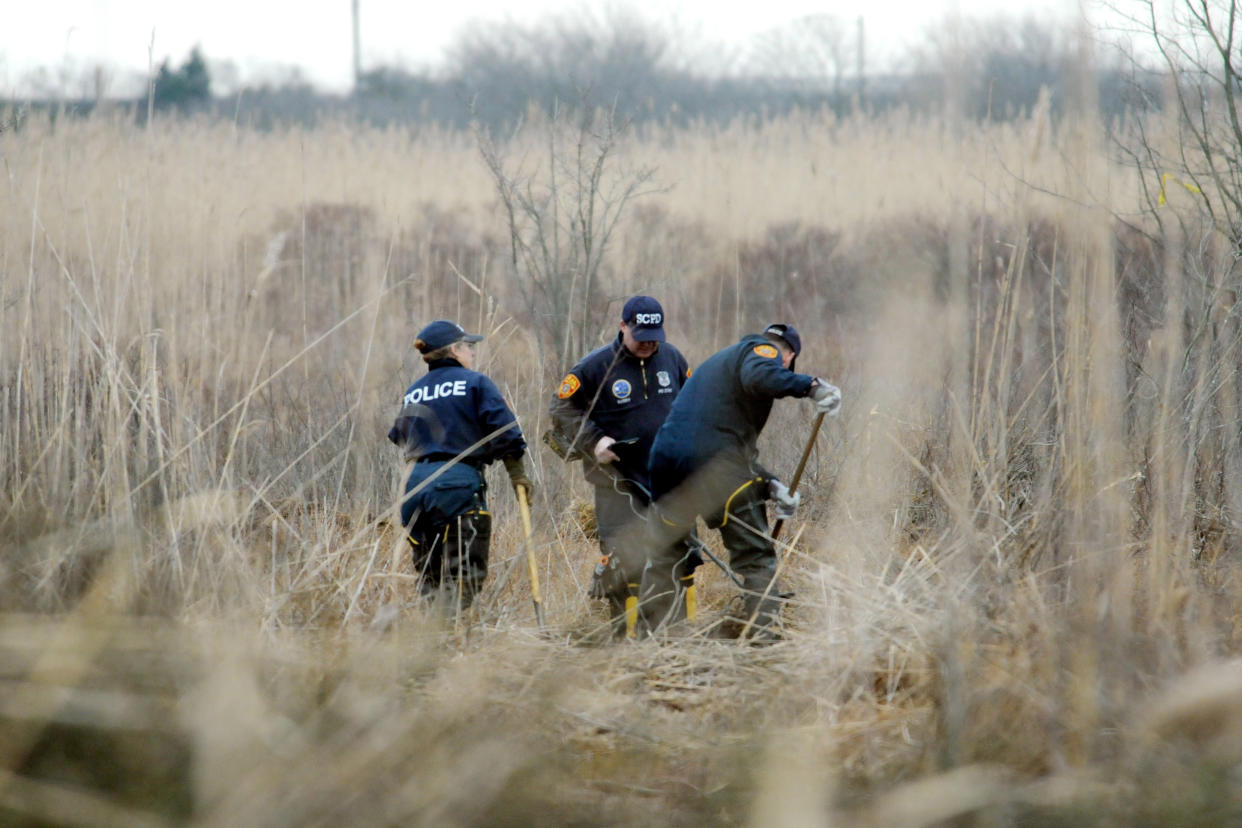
(1197, 48)
(1185, 140)
(564, 186)
(815, 51)
(997, 65)
(621, 57)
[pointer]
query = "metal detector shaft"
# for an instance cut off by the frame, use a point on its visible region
(702, 549)
(530, 556)
(797, 478)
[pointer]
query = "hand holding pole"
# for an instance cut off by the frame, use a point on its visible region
(797, 478)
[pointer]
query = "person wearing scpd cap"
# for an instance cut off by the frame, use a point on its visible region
(453, 422)
(607, 411)
(705, 462)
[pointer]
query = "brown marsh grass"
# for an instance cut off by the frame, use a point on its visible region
(1017, 591)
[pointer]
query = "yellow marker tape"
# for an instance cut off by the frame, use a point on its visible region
(1165, 178)
(692, 602)
(631, 616)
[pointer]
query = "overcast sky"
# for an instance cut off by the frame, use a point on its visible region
(263, 38)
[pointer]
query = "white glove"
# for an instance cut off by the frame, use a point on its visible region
(786, 502)
(603, 451)
(827, 397)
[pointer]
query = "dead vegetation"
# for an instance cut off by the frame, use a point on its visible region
(1015, 573)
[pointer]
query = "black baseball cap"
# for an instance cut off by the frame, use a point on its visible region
(645, 318)
(441, 334)
(789, 334)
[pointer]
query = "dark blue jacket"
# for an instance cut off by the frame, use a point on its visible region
(720, 412)
(612, 393)
(450, 410)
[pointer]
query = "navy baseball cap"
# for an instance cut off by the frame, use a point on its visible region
(441, 334)
(788, 333)
(645, 318)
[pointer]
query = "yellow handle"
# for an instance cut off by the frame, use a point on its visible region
(530, 555)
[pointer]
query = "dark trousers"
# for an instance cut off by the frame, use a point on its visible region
(736, 507)
(621, 522)
(449, 529)
(451, 559)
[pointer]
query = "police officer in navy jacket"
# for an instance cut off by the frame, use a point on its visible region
(608, 408)
(453, 422)
(704, 462)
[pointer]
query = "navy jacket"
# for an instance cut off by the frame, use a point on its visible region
(612, 393)
(720, 412)
(449, 410)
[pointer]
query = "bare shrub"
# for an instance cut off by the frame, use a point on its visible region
(561, 209)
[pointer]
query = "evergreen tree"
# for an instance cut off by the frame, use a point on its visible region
(186, 88)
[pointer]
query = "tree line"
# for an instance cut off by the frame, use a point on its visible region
(998, 68)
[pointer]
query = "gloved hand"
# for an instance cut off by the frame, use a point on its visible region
(516, 467)
(603, 451)
(827, 397)
(786, 501)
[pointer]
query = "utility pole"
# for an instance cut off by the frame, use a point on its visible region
(862, 65)
(357, 45)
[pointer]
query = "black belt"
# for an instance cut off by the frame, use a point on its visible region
(444, 457)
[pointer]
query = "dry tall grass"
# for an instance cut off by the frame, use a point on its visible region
(1016, 583)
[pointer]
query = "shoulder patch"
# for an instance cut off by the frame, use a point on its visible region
(767, 351)
(568, 386)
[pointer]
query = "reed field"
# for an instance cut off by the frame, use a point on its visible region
(1018, 598)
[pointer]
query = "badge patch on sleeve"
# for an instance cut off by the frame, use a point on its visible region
(766, 351)
(568, 386)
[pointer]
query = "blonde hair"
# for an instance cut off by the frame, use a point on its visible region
(439, 353)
